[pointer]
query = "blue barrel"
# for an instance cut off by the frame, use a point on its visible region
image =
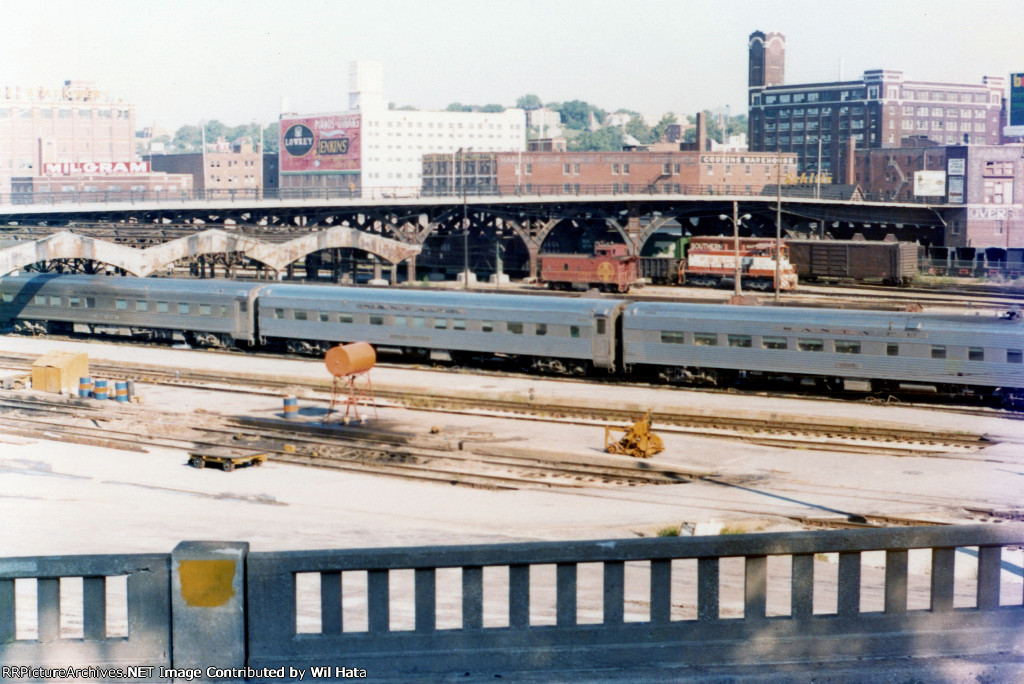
(291, 407)
(121, 391)
(100, 390)
(85, 387)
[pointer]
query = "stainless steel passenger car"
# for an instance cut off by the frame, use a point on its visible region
(854, 350)
(202, 312)
(553, 334)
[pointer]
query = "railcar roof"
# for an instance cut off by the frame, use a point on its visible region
(150, 285)
(440, 297)
(821, 317)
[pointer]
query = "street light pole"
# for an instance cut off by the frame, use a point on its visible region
(778, 220)
(736, 220)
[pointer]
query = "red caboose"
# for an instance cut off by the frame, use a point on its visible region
(611, 269)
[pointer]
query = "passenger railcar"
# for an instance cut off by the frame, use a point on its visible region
(551, 334)
(200, 312)
(851, 350)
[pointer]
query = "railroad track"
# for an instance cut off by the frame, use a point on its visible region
(780, 431)
(392, 454)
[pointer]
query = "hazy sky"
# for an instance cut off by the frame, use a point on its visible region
(182, 61)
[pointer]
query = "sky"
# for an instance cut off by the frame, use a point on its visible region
(184, 61)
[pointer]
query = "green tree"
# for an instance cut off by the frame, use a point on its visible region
(529, 102)
(458, 107)
(608, 139)
(576, 114)
(639, 130)
(491, 108)
(660, 128)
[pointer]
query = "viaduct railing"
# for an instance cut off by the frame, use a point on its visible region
(407, 612)
(497, 192)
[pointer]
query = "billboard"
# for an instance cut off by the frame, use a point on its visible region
(321, 144)
(929, 183)
(1017, 100)
(94, 168)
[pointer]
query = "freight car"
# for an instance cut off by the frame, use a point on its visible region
(829, 351)
(891, 262)
(610, 269)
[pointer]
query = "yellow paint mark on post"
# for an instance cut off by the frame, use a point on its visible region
(206, 583)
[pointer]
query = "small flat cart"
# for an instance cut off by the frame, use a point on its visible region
(227, 457)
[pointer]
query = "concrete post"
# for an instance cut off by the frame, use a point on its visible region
(208, 605)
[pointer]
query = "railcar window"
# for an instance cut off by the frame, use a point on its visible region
(322, 316)
(205, 310)
(299, 315)
(440, 324)
(892, 350)
(515, 328)
(458, 324)
(74, 302)
(90, 302)
(40, 299)
(8, 297)
(975, 354)
(121, 304)
(223, 310)
(278, 313)
(740, 341)
(183, 308)
(376, 320)
(671, 337)
(541, 329)
(938, 351)
(54, 300)
(574, 331)
(162, 307)
(847, 347)
(705, 339)
(344, 318)
(811, 345)
(243, 306)
(769, 342)
(418, 322)
(1014, 356)
(487, 326)
(400, 322)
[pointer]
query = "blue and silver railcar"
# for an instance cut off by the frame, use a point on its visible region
(551, 334)
(854, 350)
(201, 312)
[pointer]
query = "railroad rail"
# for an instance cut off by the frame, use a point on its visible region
(779, 430)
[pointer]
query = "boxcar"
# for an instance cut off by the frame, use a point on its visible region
(852, 350)
(202, 312)
(552, 334)
(890, 262)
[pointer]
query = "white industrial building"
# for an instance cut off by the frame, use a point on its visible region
(375, 151)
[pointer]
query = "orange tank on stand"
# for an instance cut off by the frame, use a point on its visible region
(346, 363)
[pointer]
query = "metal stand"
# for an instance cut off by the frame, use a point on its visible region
(352, 396)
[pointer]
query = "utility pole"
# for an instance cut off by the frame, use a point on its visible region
(778, 218)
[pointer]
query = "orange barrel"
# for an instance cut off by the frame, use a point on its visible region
(121, 391)
(349, 359)
(291, 407)
(100, 390)
(85, 387)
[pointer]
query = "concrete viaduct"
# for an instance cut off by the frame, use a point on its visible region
(143, 237)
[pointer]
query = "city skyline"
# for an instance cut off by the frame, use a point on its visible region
(234, 61)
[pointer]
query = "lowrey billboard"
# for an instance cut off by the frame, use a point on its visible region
(320, 144)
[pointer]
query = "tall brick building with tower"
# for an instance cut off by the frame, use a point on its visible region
(829, 121)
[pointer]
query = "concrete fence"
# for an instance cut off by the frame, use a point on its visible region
(735, 599)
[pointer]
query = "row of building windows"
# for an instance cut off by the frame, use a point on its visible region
(431, 124)
(65, 113)
(815, 344)
(858, 94)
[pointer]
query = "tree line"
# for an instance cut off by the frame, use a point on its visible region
(582, 123)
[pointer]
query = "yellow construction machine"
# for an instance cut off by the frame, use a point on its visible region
(637, 441)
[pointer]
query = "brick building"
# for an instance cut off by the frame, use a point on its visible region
(73, 124)
(234, 168)
(876, 111)
(678, 172)
(987, 181)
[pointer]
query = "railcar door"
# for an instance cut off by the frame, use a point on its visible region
(603, 347)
